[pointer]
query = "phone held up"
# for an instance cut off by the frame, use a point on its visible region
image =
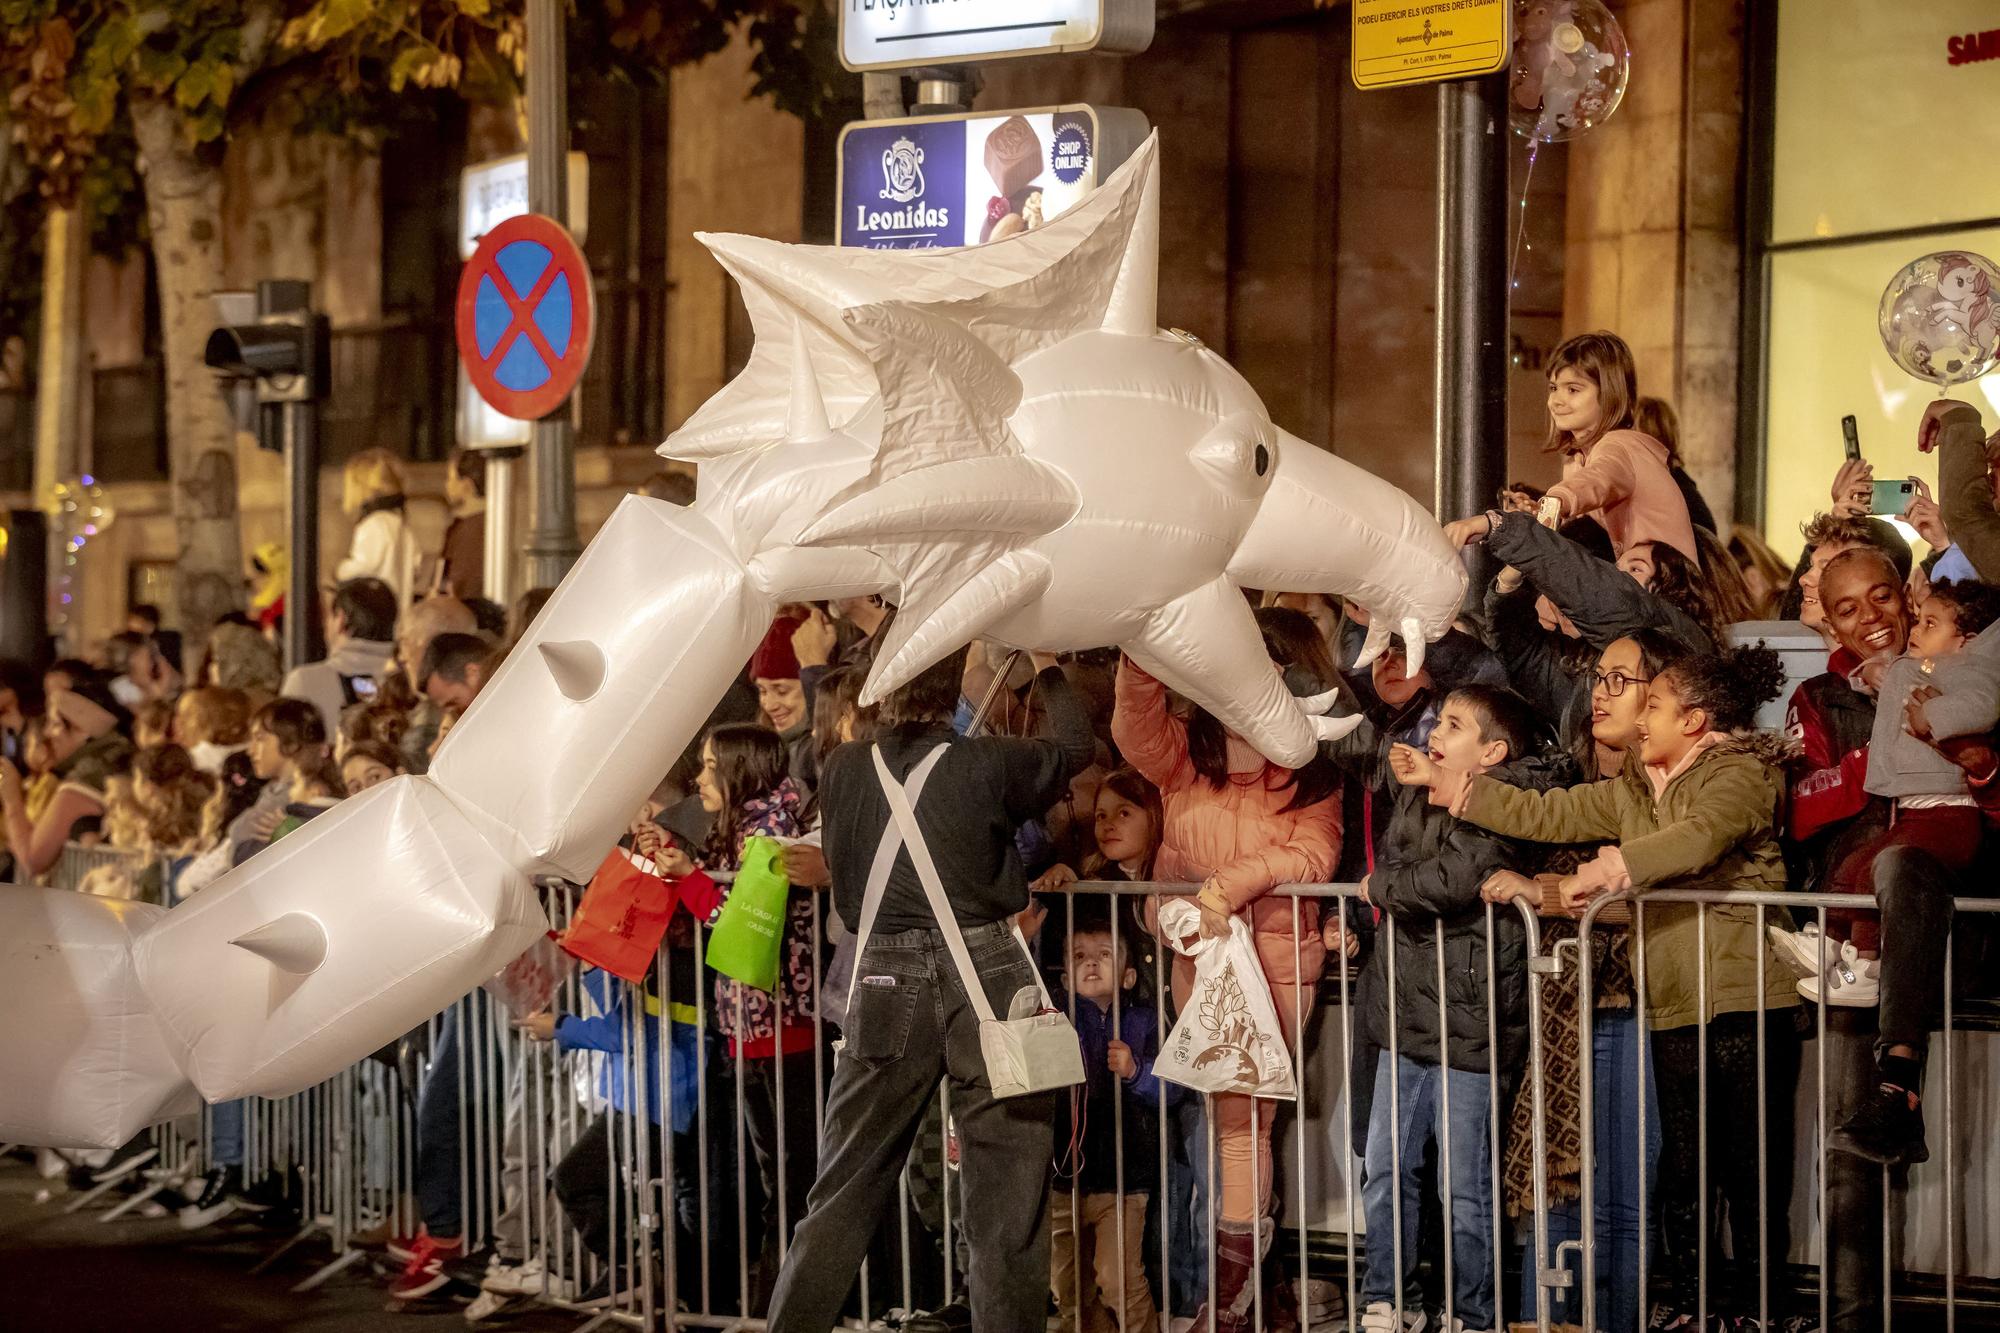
(1892, 498)
(1851, 433)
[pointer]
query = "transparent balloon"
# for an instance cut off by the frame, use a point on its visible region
(1570, 69)
(1938, 319)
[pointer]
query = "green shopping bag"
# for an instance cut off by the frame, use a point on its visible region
(745, 941)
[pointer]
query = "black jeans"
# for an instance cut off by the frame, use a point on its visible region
(908, 1025)
(1732, 1152)
(1915, 891)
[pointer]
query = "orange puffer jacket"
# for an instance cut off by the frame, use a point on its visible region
(1240, 835)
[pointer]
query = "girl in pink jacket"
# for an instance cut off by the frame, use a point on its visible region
(1619, 476)
(1239, 826)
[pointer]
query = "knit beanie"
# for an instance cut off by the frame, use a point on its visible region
(774, 658)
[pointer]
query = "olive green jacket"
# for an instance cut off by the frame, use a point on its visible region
(1714, 827)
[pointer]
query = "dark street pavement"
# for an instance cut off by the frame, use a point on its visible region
(72, 1273)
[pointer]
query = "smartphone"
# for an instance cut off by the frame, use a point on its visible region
(1851, 433)
(1892, 498)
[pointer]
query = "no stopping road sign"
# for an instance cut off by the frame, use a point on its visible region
(525, 317)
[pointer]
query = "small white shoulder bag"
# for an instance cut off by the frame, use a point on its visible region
(1033, 1049)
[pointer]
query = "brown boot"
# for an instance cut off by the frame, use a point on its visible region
(1281, 1301)
(1235, 1259)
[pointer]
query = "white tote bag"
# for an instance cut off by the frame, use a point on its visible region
(1033, 1049)
(1227, 1038)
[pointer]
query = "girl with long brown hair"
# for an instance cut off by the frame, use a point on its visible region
(1611, 471)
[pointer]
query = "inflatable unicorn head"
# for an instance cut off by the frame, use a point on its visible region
(1003, 441)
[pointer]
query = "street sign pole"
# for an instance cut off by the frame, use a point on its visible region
(292, 428)
(1470, 365)
(552, 543)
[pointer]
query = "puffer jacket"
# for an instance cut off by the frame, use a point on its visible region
(1626, 484)
(1240, 834)
(1429, 871)
(1713, 827)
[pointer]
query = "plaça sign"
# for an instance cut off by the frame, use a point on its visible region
(1401, 42)
(928, 181)
(488, 194)
(897, 34)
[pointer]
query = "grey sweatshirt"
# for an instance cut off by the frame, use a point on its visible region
(1899, 764)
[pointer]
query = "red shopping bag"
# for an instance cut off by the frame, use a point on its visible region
(622, 918)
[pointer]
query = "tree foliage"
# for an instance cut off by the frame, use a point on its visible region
(73, 70)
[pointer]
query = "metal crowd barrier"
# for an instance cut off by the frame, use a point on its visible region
(1889, 1186)
(569, 1162)
(101, 869)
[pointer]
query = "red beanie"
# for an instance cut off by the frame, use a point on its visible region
(774, 658)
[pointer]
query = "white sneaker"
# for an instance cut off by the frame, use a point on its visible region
(1380, 1317)
(1799, 950)
(522, 1279)
(1851, 980)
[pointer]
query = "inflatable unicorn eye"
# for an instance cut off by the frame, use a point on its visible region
(1240, 454)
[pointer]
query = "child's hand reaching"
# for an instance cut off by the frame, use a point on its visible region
(538, 1027)
(1412, 767)
(1118, 1059)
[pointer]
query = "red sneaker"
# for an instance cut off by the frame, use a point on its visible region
(424, 1273)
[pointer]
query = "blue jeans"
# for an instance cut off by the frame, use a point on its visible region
(440, 1187)
(225, 1134)
(1185, 1211)
(1616, 1050)
(1420, 1109)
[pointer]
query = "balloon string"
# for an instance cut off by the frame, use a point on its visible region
(1521, 223)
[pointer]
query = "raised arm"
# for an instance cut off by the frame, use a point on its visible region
(1601, 600)
(1588, 813)
(1965, 489)
(1151, 738)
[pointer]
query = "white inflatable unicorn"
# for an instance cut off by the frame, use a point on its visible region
(1000, 440)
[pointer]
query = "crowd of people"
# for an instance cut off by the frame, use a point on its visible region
(1586, 734)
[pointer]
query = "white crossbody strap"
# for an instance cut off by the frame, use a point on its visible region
(904, 811)
(885, 861)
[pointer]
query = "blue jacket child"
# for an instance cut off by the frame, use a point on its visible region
(607, 1031)
(1086, 1120)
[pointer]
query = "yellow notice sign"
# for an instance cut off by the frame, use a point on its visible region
(1398, 42)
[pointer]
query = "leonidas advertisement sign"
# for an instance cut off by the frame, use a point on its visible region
(898, 34)
(968, 179)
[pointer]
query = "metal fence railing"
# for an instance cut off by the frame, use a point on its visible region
(645, 1169)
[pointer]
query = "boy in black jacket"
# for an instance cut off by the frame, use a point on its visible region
(1428, 875)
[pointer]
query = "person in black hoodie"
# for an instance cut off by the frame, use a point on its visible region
(909, 1021)
(1427, 879)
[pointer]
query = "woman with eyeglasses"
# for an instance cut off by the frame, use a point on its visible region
(1618, 682)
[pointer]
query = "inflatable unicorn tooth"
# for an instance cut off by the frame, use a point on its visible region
(999, 440)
